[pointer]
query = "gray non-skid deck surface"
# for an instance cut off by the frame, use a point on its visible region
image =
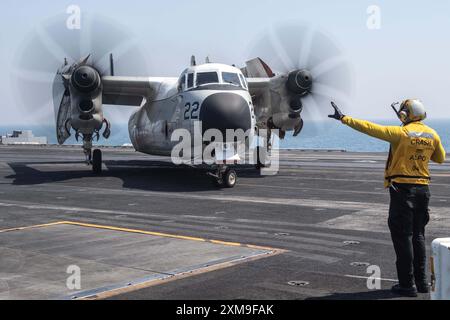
(34, 262)
(317, 202)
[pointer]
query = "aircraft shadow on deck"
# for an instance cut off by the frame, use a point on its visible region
(135, 174)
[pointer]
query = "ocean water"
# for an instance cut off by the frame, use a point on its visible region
(315, 135)
(335, 135)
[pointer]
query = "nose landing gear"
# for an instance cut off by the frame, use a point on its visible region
(224, 177)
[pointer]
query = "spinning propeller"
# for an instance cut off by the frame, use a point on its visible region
(316, 68)
(53, 47)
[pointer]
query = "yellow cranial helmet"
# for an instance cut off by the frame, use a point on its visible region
(412, 110)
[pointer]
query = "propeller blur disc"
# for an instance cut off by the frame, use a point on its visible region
(296, 46)
(45, 49)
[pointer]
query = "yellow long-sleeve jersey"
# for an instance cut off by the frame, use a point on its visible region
(412, 147)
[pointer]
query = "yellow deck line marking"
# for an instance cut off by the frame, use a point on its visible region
(152, 233)
(154, 282)
(252, 246)
(168, 235)
(227, 243)
(33, 226)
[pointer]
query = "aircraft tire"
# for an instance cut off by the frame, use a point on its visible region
(97, 161)
(229, 178)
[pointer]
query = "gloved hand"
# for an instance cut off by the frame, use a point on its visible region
(338, 115)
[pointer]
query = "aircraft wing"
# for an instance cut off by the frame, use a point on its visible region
(132, 91)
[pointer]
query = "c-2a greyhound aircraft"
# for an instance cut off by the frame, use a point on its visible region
(307, 70)
(219, 96)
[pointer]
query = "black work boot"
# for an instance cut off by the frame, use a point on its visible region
(423, 287)
(405, 292)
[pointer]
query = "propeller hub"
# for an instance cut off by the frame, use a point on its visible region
(85, 79)
(299, 82)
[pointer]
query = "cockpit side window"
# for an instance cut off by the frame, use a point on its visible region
(190, 80)
(207, 77)
(231, 78)
(244, 83)
(182, 83)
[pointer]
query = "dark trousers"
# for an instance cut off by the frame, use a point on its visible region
(408, 216)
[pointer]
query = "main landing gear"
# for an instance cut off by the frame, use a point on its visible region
(97, 161)
(93, 158)
(224, 177)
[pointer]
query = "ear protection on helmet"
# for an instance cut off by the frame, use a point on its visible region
(404, 112)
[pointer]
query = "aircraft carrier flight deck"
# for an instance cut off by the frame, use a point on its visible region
(147, 229)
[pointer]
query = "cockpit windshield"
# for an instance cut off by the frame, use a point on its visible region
(231, 78)
(206, 78)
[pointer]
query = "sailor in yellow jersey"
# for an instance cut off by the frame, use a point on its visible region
(413, 145)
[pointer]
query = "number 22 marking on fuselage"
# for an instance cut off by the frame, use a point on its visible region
(191, 110)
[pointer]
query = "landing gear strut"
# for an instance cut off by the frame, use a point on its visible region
(224, 177)
(263, 153)
(87, 147)
(92, 158)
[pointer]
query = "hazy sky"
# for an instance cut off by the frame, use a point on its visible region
(407, 57)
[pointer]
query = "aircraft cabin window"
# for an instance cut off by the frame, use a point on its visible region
(190, 80)
(207, 77)
(231, 78)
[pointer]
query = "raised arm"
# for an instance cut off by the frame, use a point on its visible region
(387, 133)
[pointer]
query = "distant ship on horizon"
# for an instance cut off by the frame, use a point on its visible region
(22, 137)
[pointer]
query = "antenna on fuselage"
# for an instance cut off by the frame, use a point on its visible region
(111, 64)
(193, 63)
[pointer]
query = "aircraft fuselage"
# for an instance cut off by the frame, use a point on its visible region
(216, 105)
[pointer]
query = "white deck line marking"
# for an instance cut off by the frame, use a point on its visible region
(364, 277)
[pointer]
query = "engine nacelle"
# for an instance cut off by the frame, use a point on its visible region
(280, 104)
(86, 100)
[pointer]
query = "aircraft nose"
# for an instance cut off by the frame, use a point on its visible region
(225, 110)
